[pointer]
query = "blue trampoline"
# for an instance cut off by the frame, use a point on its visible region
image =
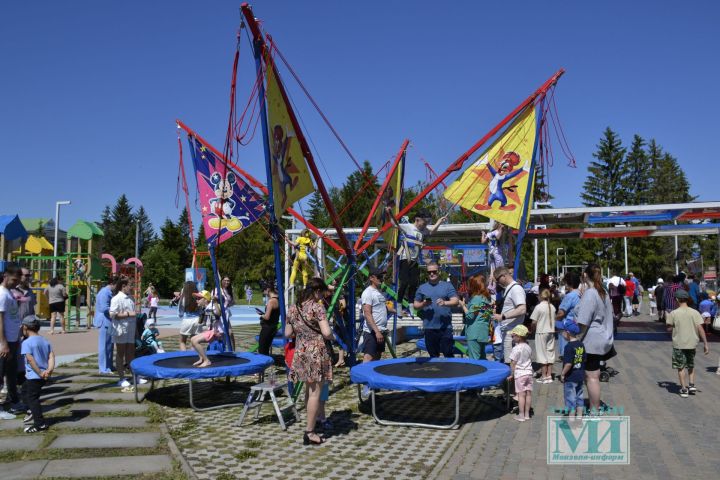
(457, 339)
(180, 365)
(429, 375)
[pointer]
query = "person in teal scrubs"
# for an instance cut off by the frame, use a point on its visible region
(478, 315)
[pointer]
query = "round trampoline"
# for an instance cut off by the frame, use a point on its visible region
(428, 375)
(180, 365)
(457, 339)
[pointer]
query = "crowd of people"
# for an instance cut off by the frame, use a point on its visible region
(573, 323)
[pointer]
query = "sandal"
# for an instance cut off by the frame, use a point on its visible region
(308, 441)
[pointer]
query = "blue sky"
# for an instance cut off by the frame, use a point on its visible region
(91, 89)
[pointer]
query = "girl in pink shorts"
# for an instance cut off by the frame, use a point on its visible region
(215, 332)
(521, 370)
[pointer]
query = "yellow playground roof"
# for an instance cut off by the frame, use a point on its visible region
(37, 245)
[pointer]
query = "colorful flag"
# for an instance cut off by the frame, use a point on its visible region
(290, 177)
(227, 203)
(497, 183)
(392, 198)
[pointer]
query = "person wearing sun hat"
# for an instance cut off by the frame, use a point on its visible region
(521, 370)
(686, 326)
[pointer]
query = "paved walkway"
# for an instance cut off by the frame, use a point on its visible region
(671, 437)
(96, 431)
(100, 431)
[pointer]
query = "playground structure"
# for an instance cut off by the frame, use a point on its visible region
(79, 269)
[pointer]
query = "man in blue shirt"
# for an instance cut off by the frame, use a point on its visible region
(433, 301)
(103, 323)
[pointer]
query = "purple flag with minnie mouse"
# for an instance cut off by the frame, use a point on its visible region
(227, 203)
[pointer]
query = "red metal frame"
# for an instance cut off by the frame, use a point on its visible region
(380, 194)
(457, 164)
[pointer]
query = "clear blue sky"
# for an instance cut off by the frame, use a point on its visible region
(91, 89)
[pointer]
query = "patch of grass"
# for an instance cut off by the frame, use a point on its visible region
(155, 413)
(245, 454)
(225, 476)
(187, 426)
(71, 453)
(253, 443)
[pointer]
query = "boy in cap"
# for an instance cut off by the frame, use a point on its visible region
(521, 370)
(573, 372)
(39, 365)
(686, 326)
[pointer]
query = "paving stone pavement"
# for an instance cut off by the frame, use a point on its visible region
(95, 431)
(670, 436)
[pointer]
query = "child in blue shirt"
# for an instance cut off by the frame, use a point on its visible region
(149, 337)
(573, 372)
(39, 365)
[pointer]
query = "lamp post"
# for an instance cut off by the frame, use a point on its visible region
(55, 239)
(557, 261)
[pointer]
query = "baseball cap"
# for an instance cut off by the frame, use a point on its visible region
(706, 314)
(520, 331)
(204, 294)
(31, 321)
(682, 294)
(660, 280)
(572, 328)
(149, 321)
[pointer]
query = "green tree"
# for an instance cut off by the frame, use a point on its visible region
(606, 174)
(119, 239)
(317, 212)
(357, 196)
(637, 184)
(162, 267)
(147, 232)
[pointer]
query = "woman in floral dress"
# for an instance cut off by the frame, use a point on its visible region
(307, 322)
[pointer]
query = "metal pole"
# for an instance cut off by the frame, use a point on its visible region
(55, 240)
(535, 263)
(677, 267)
(137, 239)
(626, 261)
(546, 259)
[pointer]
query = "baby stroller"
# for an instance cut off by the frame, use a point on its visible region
(605, 371)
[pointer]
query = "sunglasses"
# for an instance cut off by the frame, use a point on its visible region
(431, 272)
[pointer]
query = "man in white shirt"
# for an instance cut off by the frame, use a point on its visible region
(513, 310)
(616, 289)
(374, 311)
(411, 244)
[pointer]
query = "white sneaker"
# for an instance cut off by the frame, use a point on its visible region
(123, 383)
(142, 381)
(365, 393)
(548, 380)
(6, 415)
(718, 371)
(3, 390)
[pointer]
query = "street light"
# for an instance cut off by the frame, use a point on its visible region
(557, 261)
(55, 240)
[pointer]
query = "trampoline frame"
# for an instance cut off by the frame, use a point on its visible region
(506, 397)
(139, 399)
(505, 385)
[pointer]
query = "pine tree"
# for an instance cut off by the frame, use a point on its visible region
(357, 196)
(603, 185)
(317, 212)
(637, 185)
(185, 248)
(119, 238)
(147, 232)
